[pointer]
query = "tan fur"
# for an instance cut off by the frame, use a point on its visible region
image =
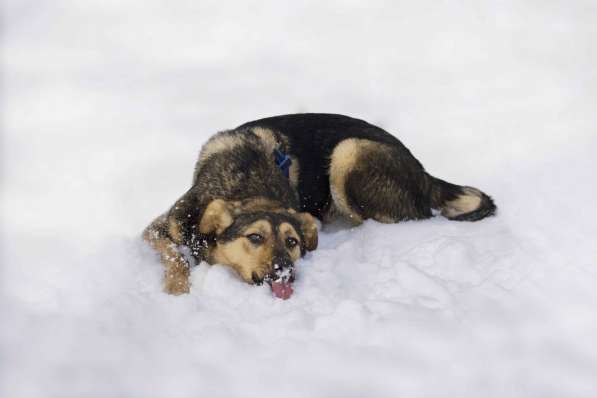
(240, 254)
(269, 141)
(174, 230)
(217, 144)
(217, 217)
(309, 227)
(293, 172)
(165, 233)
(383, 218)
(267, 137)
(246, 258)
(287, 231)
(243, 256)
(465, 203)
(345, 157)
(343, 160)
(176, 274)
(261, 204)
(261, 227)
(330, 214)
(386, 184)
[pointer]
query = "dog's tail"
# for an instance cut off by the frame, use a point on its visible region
(460, 203)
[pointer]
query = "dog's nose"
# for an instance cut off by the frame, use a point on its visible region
(281, 263)
(283, 268)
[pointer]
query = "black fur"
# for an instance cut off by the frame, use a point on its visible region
(486, 209)
(373, 176)
(313, 136)
(275, 219)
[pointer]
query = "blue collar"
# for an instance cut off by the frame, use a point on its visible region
(282, 161)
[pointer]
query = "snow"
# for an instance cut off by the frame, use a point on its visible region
(106, 104)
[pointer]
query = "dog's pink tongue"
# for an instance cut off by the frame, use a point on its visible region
(282, 290)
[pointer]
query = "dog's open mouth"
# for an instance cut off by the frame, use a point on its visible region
(281, 283)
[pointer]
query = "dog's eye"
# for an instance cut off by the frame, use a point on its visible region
(291, 243)
(255, 239)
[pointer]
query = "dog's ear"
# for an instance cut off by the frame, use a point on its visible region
(218, 216)
(309, 228)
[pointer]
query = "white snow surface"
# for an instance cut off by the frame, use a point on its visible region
(105, 105)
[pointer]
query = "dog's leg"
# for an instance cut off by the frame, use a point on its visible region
(176, 275)
(342, 163)
(373, 180)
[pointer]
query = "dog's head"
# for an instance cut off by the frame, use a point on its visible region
(260, 240)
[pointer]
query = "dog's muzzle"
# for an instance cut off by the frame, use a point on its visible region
(282, 270)
(281, 277)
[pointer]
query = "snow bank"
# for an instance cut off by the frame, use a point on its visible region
(107, 104)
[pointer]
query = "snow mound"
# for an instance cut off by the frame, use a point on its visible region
(106, 106)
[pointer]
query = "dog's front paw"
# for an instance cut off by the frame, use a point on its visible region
(176, 285)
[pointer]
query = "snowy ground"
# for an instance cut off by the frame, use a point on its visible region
(105, 105)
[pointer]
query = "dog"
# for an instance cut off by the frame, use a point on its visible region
(258, 189)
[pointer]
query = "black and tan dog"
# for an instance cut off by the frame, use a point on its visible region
(257, 190)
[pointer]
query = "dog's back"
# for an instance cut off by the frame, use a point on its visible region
(359, 170)
(256, 189)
